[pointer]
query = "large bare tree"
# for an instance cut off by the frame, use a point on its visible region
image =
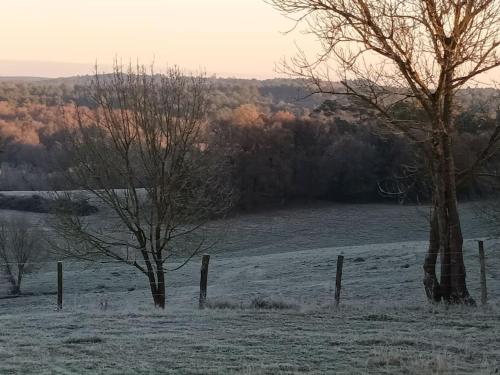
(141, 156)
(418, 53)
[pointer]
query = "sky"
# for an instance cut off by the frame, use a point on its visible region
(229, 38)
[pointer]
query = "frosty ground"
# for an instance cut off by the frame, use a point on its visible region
(284, 259)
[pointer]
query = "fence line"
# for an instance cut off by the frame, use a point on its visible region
(204, 274)
(140, 260)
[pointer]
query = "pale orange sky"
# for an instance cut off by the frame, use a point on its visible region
(241, 38)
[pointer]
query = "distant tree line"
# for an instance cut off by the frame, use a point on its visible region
(279, 150)
(280, 157)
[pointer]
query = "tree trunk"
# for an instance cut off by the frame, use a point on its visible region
(20, 273)
(445, 234)
(431, 283)
(453, 262)
(156, 277)
(159, 297)
(15, 288)
(157, 286)
(160, 288)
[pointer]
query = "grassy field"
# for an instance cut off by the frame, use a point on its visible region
(351, 340)
(284, 259)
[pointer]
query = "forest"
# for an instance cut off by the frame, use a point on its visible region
(282, 145)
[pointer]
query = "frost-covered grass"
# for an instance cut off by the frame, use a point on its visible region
(270, 305)
(351, 339)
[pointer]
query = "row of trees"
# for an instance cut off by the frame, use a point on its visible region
(281, 157)
(335, 153)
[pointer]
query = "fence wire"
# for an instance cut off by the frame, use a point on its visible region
(365, 278)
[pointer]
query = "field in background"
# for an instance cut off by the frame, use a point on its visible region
(284, 257)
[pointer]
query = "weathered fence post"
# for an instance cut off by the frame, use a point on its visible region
(338, 280)
(59, 285)
(204, 280)
(484, 292)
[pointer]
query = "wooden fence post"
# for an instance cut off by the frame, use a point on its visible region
(338, 280)
(484, 293)
(204, 280)
(59, 285)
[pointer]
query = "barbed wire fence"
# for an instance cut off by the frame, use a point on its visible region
(70, 282)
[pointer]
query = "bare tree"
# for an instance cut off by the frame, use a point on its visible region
(20, 249)
(416, 52)
(141, 157)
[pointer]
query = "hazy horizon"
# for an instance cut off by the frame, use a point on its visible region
(56, 38)
(61, 69)
(226, 38)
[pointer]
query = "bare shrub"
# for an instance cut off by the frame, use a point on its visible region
(268, 303)
(142, 155)
(20, 250)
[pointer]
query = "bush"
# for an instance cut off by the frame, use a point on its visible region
(39, 204)
(263, 303)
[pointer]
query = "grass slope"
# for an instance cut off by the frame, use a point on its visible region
(288, 258)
